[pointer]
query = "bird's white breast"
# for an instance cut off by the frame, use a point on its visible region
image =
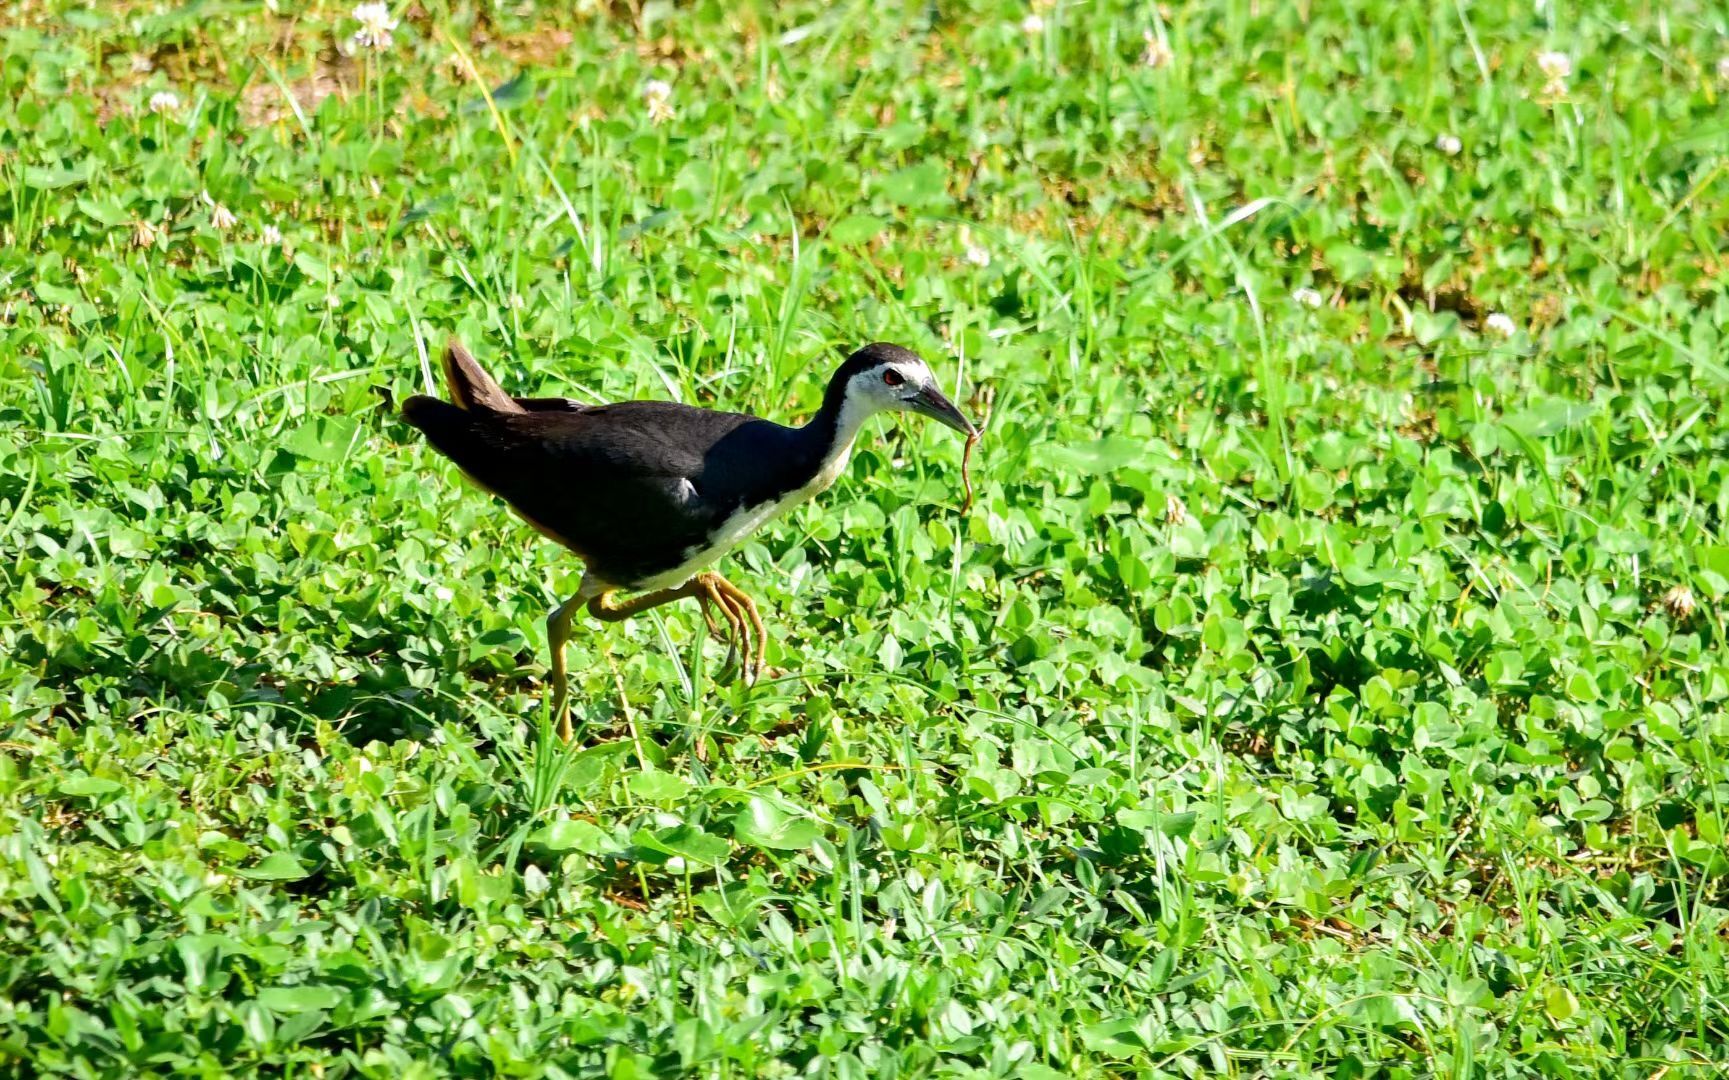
(748, 519)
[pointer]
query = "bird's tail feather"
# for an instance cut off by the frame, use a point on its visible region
(471, 388)
(463, 436)
(444, 424)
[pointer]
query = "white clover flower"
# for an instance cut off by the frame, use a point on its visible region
(1500, 324)
(1555, 66)
(975, 254)
(1033, 24)
(657, 95)
(1307, 297)
(270, 235)
(164, 101)
(1448, 144)
(220, 216)
(535, 881)
(1175, 512)
(1155, 53)
(1680, 603)
(143, 234)
(375, 26)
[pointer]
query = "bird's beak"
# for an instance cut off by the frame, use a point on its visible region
(931, 402)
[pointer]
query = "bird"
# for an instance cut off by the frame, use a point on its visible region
(651, 494)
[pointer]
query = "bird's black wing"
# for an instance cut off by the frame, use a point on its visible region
(550, 404)
(619, 484)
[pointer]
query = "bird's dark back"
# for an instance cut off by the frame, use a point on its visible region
(631, 487)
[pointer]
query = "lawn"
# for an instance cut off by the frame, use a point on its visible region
(1327, 680)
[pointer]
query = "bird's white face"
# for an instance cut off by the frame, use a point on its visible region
(890, 387)
(902, 385)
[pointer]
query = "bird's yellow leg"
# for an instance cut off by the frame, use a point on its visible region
(736, 612)
(743, 623)
(710, 588)
(741, 604)
(604, 608)
(557, 633)
(712, 597)
(708, 616)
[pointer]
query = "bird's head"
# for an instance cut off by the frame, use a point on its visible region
(887, 378)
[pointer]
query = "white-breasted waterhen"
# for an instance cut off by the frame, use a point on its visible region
(650, 494)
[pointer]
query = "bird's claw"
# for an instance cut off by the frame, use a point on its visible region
(747, 641)
(733, 667)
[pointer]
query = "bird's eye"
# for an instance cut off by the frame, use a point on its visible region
(893, 377)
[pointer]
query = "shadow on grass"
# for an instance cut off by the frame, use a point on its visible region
(385, 696)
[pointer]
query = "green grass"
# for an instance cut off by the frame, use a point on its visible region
(1299, 698)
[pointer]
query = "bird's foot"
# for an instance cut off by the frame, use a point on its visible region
(711, 599)
(557, 633)
(742, 618)
(735, 669)
(744, 608)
